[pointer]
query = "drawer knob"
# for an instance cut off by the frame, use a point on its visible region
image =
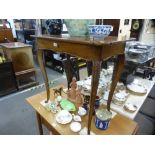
(55, 44)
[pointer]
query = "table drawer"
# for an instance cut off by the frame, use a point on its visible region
(80, 50)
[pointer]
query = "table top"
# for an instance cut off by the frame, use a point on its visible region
(137, 100)
(84, 39)
(119, 125)
(84, 47)
(14, 45)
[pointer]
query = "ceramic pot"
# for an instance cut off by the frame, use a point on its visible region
(102, 119)
(78, 27)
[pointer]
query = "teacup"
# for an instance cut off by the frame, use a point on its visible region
(82, 111)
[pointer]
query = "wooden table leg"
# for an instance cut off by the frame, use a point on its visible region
(94, 85)
(44, 73)
(39, 123)
(118, 68)
(69, 70)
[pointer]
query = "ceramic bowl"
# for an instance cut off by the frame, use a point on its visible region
(99, 30)
(120, 97)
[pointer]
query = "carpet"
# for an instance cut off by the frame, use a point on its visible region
(17, 117)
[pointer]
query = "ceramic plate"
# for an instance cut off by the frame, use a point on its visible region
(137, 88)
(64, 117)
(75, 126)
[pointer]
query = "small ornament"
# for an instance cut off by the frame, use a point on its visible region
(58, 92)
(74, 94)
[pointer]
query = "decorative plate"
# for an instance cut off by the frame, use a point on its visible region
(137, 88)
(64, 117)
(75, 126)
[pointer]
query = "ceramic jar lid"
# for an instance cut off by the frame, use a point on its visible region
(103, 114)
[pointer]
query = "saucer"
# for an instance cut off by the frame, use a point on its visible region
(64, 117)
(75, 126)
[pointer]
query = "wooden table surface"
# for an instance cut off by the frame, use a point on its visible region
(14, 45)
(119, 125)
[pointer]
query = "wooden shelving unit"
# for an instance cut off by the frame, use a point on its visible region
(21, 56)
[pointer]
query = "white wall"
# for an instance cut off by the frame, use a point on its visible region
(146, 37)
(13, 27)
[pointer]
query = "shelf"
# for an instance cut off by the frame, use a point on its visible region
(82, 64)
(28, 85)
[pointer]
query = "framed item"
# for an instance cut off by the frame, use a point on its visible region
(126, 22)
(150, 26)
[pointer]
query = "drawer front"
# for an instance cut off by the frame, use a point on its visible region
(76, 49)
(7, 83)
(6, 67)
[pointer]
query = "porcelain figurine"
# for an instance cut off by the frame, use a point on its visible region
(71, 94)
(79, 97)
(74, 94)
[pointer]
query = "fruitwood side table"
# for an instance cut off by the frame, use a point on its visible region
(95, 50)
(119, 125)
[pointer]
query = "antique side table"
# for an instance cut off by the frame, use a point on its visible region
(95, 50)
(119, 124)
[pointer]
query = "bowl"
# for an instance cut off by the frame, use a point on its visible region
(78, 27)
(100, 30)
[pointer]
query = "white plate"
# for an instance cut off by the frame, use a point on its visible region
(75, 126)
(64, 117)
(137, 88)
